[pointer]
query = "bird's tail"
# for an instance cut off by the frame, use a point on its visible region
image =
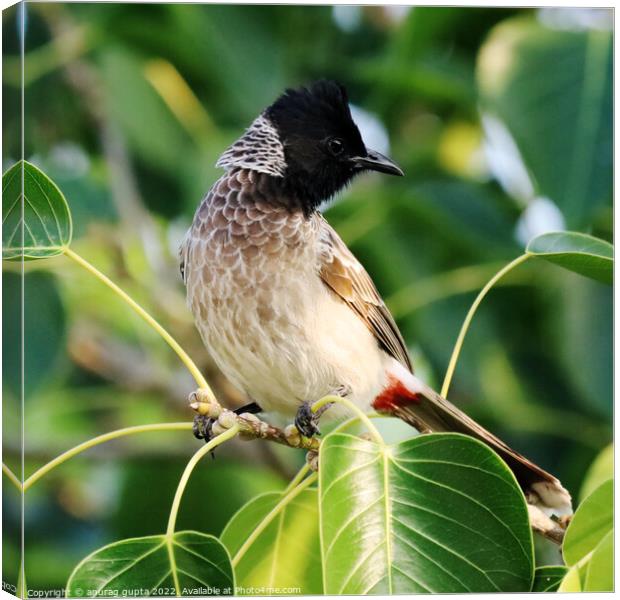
(417, 404)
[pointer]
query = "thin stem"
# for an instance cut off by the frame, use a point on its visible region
(193, 461)
(470, 315)
(354, 409)
(174, 510)
(12, 477)
(187, 361)
(447, 284)
(354, 420)
(298, 478)
(286, 499)
(112, 435)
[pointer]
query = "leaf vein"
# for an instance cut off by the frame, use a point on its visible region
(449, 519)
(49, 201)
(447, 549)
(348, 522)
(471, 499)
(131, 565)
(198, 555)
(347, 474)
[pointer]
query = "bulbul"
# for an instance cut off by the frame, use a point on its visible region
(286, 311)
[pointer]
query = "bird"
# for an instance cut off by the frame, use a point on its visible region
(285, 309)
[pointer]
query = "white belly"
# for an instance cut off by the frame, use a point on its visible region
(293, 344)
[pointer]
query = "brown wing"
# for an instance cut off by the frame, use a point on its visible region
(344, 274)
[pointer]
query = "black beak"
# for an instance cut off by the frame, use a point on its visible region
(375, 161)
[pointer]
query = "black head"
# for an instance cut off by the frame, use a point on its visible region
(323, 147)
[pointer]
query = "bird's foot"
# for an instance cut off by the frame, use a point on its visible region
(342, 390)
(203, 427)
(307, 420)
(211, 418)
(206, 428)
(208, 411)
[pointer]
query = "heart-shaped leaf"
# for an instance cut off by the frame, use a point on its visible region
(153, 565)
(548, 579)
(437, 513)
(41, 214)
(578, 252)
(286, 557)
(592, 522)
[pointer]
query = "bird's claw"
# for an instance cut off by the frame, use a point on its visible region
(208, 411)
(307, 421)
(202, 427)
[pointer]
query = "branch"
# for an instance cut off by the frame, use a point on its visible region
(549, 528)
(250, 426)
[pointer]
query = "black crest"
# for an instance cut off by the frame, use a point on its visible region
(319, 137)
(316, 112)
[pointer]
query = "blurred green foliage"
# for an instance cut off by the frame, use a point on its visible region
(128, 107)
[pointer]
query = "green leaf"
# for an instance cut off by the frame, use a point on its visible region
(600, 471)
(553, 90)
(437, 513)
(201, 562)
(286, 554)
(588, 543)
(44, 324)
(47, 226)
(591, 523)
(573, 581)
(548, 579)
(578, 252)
(600, 573)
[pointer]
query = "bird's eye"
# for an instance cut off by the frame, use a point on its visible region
(335, 147)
